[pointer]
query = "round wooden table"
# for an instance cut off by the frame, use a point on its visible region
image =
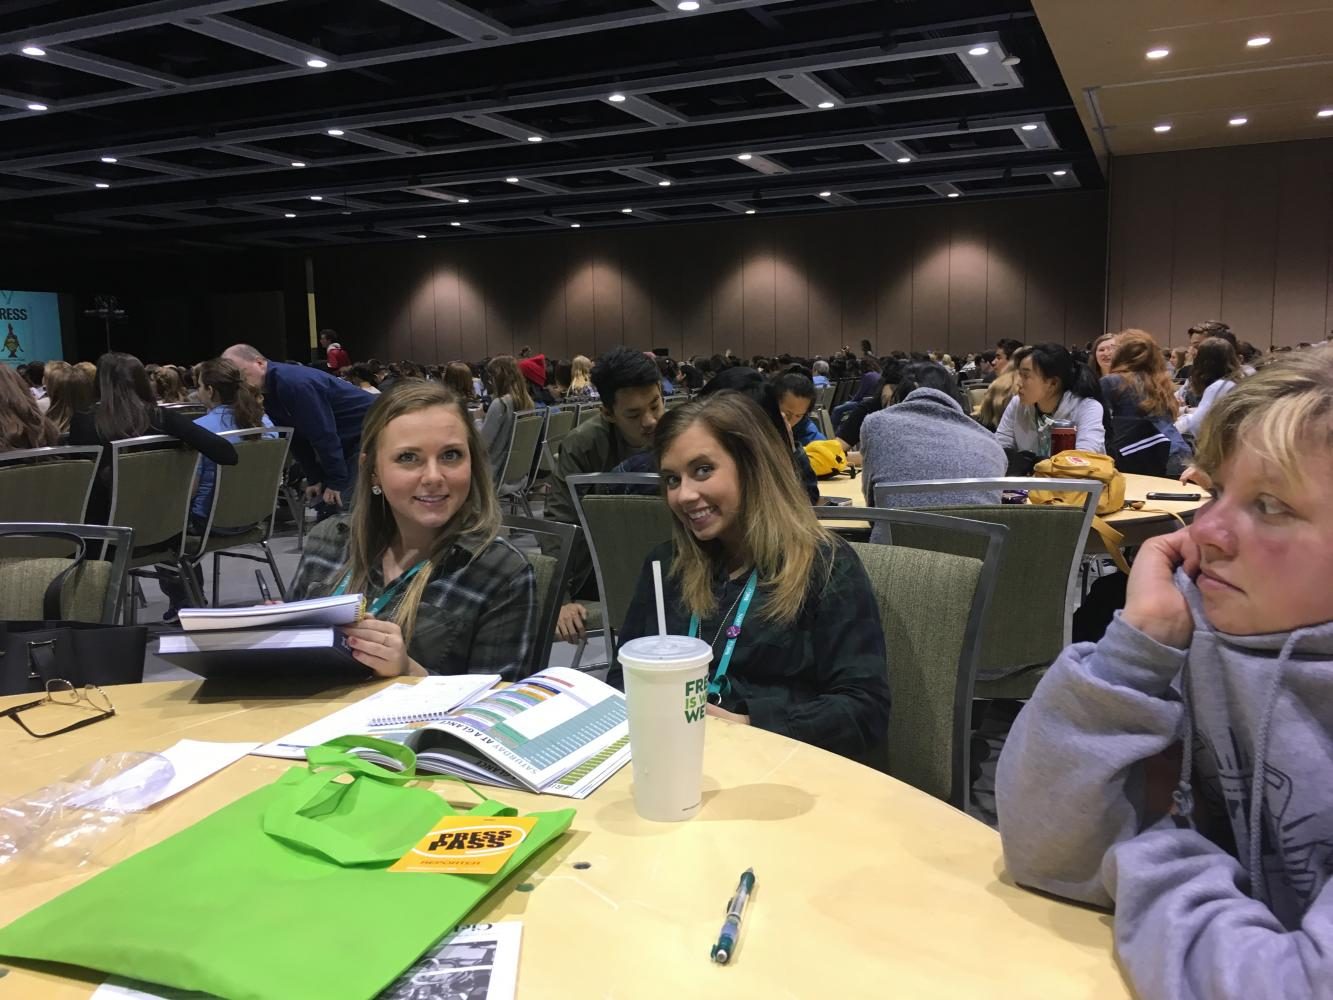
(865, 886)
(1136, 525)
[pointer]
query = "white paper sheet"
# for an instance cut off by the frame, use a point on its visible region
(192, 761)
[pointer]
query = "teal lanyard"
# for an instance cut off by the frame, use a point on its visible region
(390, 592)
(721, 684)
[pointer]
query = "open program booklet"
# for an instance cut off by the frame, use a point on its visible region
(558, 731)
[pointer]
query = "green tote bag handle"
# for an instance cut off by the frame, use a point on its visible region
(373, 819)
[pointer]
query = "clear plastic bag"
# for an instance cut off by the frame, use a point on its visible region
(75, 821)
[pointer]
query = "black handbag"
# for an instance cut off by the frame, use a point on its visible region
(34, 652)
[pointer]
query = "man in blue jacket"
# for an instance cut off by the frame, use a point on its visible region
(325, 412)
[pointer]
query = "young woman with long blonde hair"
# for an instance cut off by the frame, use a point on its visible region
(786, 604)
(446, 594)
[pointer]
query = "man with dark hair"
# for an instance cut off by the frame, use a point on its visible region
(986, 366)
(326, 414)
(630, 388)
(1004, 351)
(335, 357)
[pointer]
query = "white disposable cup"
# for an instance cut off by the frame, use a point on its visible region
(666, 695)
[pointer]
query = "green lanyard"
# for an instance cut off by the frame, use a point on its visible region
(721, 684)
(390, 592)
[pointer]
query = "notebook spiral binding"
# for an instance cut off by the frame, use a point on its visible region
(407, 718)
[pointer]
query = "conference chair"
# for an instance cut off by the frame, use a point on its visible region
(92, 593)
(621, 528)
(1030, 619)
(521, 458)
(559, 422)
(47, 484)
(677, 399)
(243, 504)
(187, 410)
(825, 423)
(976, 395)
(824, 395)
(586, 412)
(843, 391)
(152, 483)
(551, 571)
(933, 608)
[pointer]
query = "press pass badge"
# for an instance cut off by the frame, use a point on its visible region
(467, 845)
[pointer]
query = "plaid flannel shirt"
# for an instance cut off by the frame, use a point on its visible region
(478, 614)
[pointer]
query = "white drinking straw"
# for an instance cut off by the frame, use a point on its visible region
(661, 604)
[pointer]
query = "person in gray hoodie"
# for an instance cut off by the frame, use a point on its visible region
(925, 434)
(1181, 769)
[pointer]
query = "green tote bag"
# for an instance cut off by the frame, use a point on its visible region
(282, 895)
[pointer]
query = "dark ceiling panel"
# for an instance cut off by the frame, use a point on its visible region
(343, 27)
(36, 78)
(178, 51)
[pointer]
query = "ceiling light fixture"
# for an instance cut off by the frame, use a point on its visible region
(316, 197)
(1239, 120)
(904, 159)
(317, 64)
(617, 98)
(37, 107)
(749, 211)
(297, 163)
(626, 211)
(1029, 127)
(33, 50)
(745, 156)
(825, 194)
(511, 180)
(1257, 42)
(825, 105)
(1059, 173)
(1324, 113)
(534, 138)
(1159, 53)
(335, 132)
(463, 201)
(289, 215)
(688, 5)
(952, 194)
(421, 236)
(102, 184)
(664, 184)
(108, 159)
(455, 223)
(1164, 127)
(978, 50)
(576, 225)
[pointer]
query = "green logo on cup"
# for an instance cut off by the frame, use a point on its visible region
(696, 700)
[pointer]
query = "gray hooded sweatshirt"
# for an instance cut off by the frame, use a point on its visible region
(1220, 900)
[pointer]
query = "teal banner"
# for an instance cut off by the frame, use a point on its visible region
(29, 327)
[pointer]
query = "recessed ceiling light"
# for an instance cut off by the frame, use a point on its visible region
(297, 163)
(616, 98)
(455, 223)
(1029, 127)
(336, 132)
(1059, 173)
(289, 215)
(37, 107)
(101, 184)
(825, 105)
(1238, 120)
(1324, 113)
(749, 211)
(534, 138)
(33, 50)
(576, 225)
(316, 197)
(688, 5)
(108, 159)
(745, 156)
(626, 211)
(1258, 41)
(664, 184)
(1164, 127)
(904, 159)
(978, 50)
(511, 180)
(952, 194)
(825, 194)
(316, 64)
(1159, 53)
(421, 236)
(463, 201)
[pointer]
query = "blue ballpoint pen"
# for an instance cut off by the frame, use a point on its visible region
(731, 927)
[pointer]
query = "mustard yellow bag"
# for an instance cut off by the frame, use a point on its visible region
(1086, 465)
(826, 457)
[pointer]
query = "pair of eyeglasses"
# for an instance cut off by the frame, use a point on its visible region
(62, 692)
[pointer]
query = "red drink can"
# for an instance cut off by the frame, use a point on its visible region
(1064, 436)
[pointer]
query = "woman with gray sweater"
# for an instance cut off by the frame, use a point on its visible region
(924, 434)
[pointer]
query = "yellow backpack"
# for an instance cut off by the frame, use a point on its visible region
(826, 457)
(1086, 465)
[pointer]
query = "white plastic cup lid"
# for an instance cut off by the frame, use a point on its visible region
(666, 650)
